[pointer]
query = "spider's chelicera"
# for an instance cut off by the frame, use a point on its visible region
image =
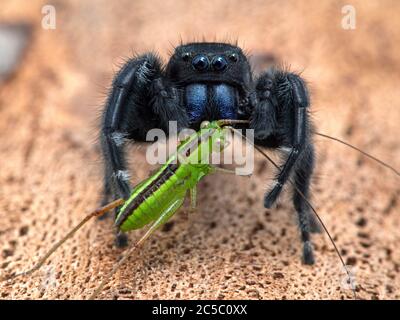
(211, 81)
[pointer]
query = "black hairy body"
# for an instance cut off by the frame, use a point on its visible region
(211, 81)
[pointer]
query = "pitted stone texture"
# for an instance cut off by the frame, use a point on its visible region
(232, 248)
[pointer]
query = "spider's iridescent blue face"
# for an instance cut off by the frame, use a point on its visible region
(213, 75)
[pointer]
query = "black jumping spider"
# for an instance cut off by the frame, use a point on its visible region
(210, 81)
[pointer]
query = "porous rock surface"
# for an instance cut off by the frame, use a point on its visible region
(231, 248)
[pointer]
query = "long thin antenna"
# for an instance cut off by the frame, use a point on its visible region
(311, 207)
(359, 150)
(96, 213)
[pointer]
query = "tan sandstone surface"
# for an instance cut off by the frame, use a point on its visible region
(231, 248)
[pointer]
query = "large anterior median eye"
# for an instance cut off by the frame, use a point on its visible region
(219, 63)
(200, 62)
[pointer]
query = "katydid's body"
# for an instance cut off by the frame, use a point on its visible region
(158, 197)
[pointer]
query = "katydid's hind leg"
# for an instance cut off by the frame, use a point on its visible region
(302, 176)
(162, 219)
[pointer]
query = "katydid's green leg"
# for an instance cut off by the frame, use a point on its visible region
(163, 218)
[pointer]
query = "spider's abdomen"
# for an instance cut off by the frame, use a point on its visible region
(210, 102)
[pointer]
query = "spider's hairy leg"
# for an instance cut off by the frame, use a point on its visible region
(166, 104)
(138, 101)
(293, 101)
(285, 124)
(302, 175)
(263, 119)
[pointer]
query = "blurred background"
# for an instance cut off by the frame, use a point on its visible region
(57, 60)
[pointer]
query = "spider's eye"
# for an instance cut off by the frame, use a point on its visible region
(233, 57)
(200, 62)
(186, 56)
(219, 63)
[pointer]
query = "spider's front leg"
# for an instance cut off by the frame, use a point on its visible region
(280, 120)
(140, 99)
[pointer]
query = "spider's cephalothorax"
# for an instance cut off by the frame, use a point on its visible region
(210, 81)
